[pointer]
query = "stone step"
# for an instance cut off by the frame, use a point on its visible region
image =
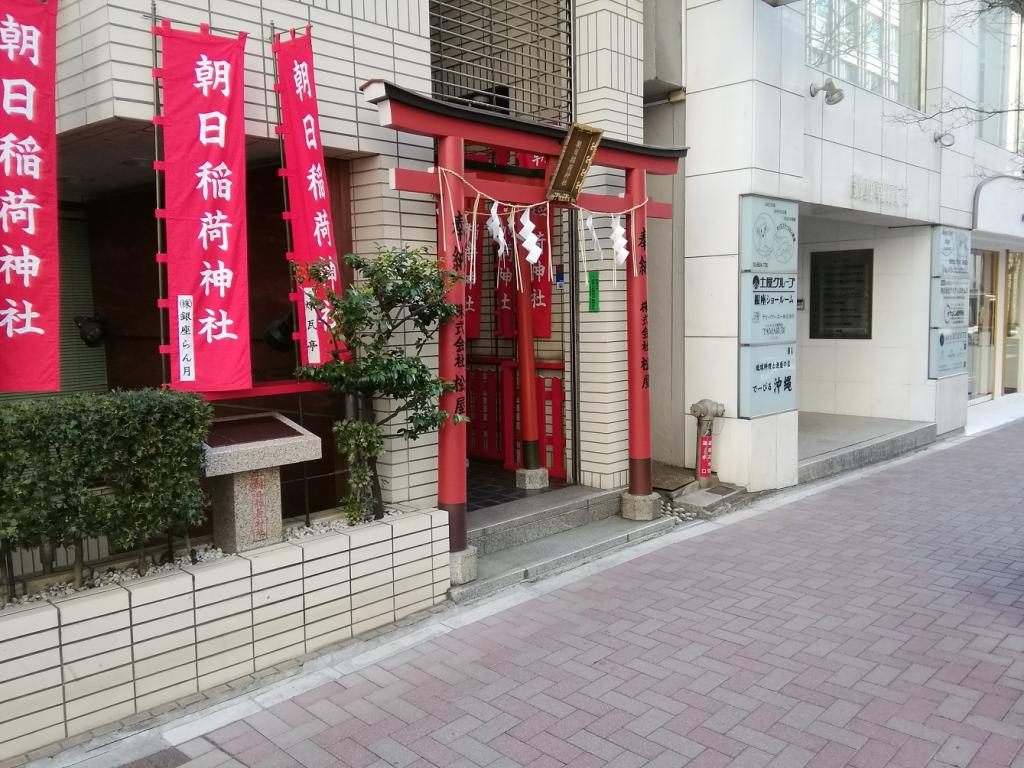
(535, 517)
(867, 452)
(555, 553)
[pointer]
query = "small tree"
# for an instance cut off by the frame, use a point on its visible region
(380, 327)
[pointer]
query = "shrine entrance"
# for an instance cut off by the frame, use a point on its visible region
(494, 323)
(513, 352)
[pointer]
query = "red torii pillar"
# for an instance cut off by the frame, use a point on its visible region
(532, 474)
(640, 502)
(451, 453)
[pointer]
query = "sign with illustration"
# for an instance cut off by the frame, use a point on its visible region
(767, 379)
(767, 308)
(950, 302)
(951, 252)
(768, 234)
(950, 297)
(947, 352)
(768, 304)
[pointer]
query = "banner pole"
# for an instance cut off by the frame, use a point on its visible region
(160, 266)
(291, 277)
(284, 192)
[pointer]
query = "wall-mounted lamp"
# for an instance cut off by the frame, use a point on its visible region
(833, 93)
(945, 138)
(92, 329)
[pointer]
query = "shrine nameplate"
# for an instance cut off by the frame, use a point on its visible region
(577, 154)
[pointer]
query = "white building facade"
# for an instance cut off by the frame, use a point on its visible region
(857, 126)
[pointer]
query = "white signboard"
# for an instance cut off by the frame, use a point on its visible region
(947, 352)
(767, 379)
(767, 308)
(951, 252)
(950, 298)
(768, 234)
(950, 302)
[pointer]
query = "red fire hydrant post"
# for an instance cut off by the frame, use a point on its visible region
(705, 412)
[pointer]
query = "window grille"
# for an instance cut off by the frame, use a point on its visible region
(510, 56)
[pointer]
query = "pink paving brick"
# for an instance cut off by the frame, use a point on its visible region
(871, 624)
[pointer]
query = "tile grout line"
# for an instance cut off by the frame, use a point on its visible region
(343, 662)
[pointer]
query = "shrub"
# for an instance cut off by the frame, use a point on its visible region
(125, 465)
(399, 301)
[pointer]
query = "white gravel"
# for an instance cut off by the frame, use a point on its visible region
(326, 527)
(204, 554)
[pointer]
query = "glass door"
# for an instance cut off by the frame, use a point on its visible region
(1011, 340)
(981, 325)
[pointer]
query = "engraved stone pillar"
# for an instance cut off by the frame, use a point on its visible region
(244, 456)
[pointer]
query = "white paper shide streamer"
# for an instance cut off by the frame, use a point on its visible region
(515, 254)
(528, 235)
(618, 239)
(496, 231)
(594, 239)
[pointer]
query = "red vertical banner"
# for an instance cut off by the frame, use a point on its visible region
(540, 291)
(505, 291)
(204, 181)
(29, 261)
(474, 283)
(309, 204)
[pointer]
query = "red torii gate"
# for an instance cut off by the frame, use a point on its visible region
(453, 126)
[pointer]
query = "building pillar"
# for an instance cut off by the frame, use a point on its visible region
(451, 469)
(640, 502)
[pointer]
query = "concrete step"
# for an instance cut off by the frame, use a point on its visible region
(555, 553)
(866, 452)
(524, 520)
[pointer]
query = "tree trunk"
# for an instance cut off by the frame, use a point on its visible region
(170, 547)
(188, 545)
(46, 555)
(368, 414)
(79, 566)
(8, 565)
(143, 567)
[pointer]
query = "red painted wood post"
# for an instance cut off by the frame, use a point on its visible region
(542, 432)
(508, 414)
(493, 417)
(557, 429)
(474, 394)
(639, 400)
(529, 430)
(451, 460)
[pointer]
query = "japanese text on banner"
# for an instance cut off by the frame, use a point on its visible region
(204, 178)
(29, 266)
(308, 192)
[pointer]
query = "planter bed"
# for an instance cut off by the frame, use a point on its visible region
(75, 663)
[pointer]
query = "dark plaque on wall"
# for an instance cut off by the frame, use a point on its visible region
(841, 294)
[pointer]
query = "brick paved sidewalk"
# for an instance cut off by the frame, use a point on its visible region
(878, 623)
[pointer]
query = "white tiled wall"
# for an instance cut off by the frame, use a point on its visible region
(609, 58)
(887, 375)
(77, 663)
(610, 67)
(105, 58)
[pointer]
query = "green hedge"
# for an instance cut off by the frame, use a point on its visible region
(124, 465)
